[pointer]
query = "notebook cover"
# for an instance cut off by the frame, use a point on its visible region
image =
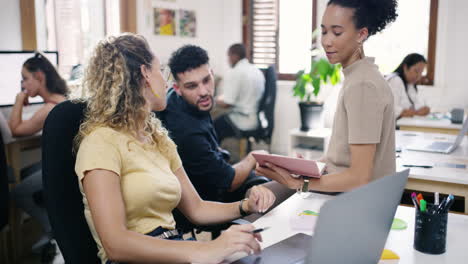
(304, 167)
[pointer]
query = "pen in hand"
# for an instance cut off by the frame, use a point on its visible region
(258, 230)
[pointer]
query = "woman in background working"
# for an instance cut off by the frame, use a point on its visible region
(408, 102)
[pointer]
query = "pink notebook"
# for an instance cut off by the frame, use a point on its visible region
(309, 168)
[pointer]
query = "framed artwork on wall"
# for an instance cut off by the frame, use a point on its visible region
(164, 21)
(187, 23)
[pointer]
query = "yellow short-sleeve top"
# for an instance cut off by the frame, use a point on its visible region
(149, 187)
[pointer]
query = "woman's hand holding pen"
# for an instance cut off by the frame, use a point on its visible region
(260, 200)
(237, 238)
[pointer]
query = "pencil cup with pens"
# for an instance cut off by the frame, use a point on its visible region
(430, 228)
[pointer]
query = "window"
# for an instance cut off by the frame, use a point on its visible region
(278, 32)
(74, 27)
(261, 31)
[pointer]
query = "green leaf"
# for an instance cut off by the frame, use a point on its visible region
(316, 85)
(335, 78)
(321, 72)
(323, 69)
(300, 88)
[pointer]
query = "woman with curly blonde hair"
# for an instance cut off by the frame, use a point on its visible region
(130, 174)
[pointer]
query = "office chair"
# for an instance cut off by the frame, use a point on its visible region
(265, 116)
(4, 203)
(62, 196)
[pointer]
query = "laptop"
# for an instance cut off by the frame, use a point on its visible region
(444, 147)
(351, 228)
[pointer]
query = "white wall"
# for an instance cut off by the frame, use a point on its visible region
(10, 25)
(451, 81)
(41, 28)
(219, 24)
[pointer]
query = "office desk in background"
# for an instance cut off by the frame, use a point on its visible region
(14, 146)
(444, 180)
(13, 151)
(428, 124)
(440, 178)
(399, 241)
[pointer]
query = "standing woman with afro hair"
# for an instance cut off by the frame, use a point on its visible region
(362, 144)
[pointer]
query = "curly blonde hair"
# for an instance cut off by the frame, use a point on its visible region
(114, 88)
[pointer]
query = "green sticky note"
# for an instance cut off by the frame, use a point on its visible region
(399, 224)
(308, 212)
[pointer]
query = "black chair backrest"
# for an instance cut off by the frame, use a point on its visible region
(61, 191)
(266, 109)
(4, 191)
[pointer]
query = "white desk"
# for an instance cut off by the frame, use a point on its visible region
(437, 179)
(399, 241)
(427, 124)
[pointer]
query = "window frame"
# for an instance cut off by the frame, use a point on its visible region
(428, 79)
(247, 33)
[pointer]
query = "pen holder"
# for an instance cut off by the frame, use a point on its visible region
(430, 231)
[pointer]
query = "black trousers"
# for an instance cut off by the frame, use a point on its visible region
(224, 127)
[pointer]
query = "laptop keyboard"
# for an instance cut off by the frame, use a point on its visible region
(441, 146)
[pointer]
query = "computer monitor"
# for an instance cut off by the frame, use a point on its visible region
(11, 63)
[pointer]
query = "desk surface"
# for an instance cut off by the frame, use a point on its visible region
(423, 121)
(400, 241)
(438, 172)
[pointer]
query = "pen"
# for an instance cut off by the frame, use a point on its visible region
(258, 230)
(449, 204)
(445, 205)
(413, 198)
(417, 166)
(423, 205)
(419, 198)
(441, 205)
(436, 198)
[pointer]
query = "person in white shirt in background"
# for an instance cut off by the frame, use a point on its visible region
(407, 101)
(242, 90)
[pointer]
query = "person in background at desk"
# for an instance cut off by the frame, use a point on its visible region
(40, 78)
(130, 174)
(242, 91)
(362, 144)
(405, 91)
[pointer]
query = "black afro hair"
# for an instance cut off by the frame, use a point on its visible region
(187, 58)
(372, 14)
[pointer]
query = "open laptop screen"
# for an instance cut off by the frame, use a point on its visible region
(11, 63)
(462, 133)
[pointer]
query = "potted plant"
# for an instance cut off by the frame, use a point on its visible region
(308, 86)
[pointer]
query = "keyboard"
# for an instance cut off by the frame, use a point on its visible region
(440, 146)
